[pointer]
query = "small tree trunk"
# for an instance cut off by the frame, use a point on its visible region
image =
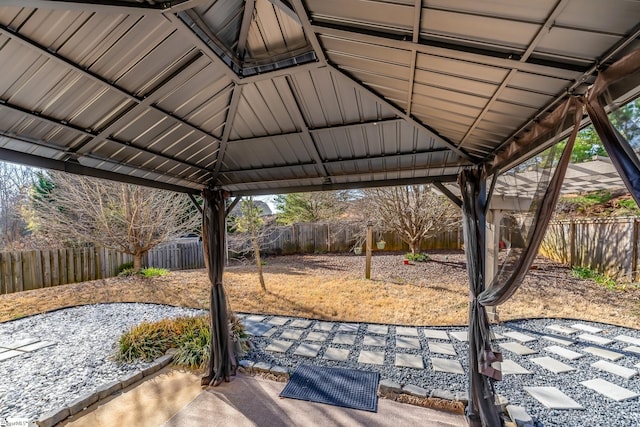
(412, 247)
(256, 253)
(137, 262)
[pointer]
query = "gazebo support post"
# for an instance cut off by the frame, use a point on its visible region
(222, 363)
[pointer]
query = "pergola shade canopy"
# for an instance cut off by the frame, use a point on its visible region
(261, 96)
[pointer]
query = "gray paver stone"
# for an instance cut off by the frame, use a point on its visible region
(628, 339)
(291, 334)
(299, 323)
(9, 354)
(436, 334)
(610, 390)
(586, 328)
(307, 350)
(463, 396)
(519, 415)
(443, 394)
(279, 346)
(337, 354)
(553, 365)
(562, 329)
(387, 386)
(53, 417)
(247, 365)
(406, 331)
(447, 365)
(348, 339)
(255, 318)
(563, 352)
(612, 368)
(262, 367)
(81, 403)
(632, 349)
(153, 368)
(280, 321)
(552, 398)
(20, 343)
(349, 327)
(406, 342)
(323, 326)
(374, 341)
(317, 336)
(595, 339)
(268, 333)
(36, 346)
(414, 390)
(460, 335)
(108, 389)
(509, 367)
(280, 370)
(562, 341)
(601, 352)
(378, 329)
(409, 360)
(132, 378)
(517, 348)
(371, 357)
(442, 348)
(518, 336)
(164, 360)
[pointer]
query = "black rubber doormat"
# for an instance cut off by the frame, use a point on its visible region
(348, 388)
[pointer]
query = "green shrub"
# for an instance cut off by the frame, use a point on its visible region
(419, 257)
(125, 267)
(145, 341)
(587, 273)
(153, 272)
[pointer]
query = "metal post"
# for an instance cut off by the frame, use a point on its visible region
(367, 272)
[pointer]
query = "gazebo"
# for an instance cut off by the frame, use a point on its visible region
(249, 97)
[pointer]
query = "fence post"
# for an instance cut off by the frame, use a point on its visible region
(634, 251)
(367, 271)
(572, 243)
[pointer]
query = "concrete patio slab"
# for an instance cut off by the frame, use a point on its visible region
(442, 348)
(595, 339)
(374, 341)
(561, 341)
(586, 328)
(317, 336)
(307, 350)
(300, 323)
(562, 329)
(291, 334)
(518, 336)
(406, 342)
(252, 401)
(509, 367)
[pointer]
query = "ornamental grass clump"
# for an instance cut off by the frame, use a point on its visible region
(189, 335)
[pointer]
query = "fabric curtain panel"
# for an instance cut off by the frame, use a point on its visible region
(221, 360)
(620, 151)
(482, 409)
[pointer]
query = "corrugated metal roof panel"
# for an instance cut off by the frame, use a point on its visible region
(224, 18)
(267, 152)
(273, 32)
(396, 16)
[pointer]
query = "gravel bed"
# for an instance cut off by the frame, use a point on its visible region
(599, 410)
(35, 383)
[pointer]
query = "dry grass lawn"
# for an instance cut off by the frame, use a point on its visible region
(330, 287)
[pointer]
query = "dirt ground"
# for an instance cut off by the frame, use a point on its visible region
(332, 287)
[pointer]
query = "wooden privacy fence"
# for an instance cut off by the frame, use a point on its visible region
(27, 270)
(331, 238)
(608, 246)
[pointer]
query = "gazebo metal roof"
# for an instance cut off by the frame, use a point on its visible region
(267, 96)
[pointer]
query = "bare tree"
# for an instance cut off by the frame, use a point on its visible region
(124, 217)
(251, 223)
(15, 182)
(414, 212)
